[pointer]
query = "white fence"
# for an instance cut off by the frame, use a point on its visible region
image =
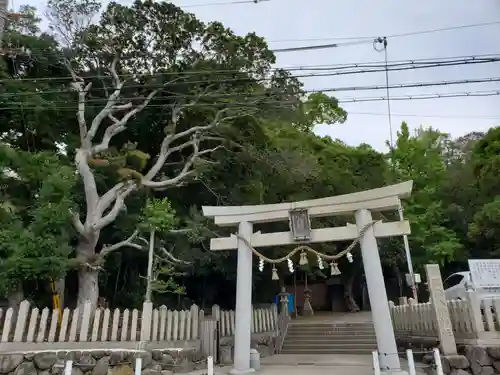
(473, 321)
(263, 320)
(89, 327)
(412, 369)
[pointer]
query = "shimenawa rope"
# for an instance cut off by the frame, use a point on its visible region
(309, 249)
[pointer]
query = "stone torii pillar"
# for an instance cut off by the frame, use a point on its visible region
(386, 341)
(243, 313)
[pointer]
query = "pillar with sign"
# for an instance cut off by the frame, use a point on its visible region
(365, 232)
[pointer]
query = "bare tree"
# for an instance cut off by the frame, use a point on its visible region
(102, 208)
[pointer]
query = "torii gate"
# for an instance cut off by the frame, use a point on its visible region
(358, 204)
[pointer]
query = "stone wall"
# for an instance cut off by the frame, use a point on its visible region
(102, 362)
(475, 360)
(264, 344)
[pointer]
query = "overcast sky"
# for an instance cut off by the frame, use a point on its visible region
(279, 20)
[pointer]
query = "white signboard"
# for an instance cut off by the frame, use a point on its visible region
(485, 273)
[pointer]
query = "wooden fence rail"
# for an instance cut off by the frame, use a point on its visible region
(263, 320)
(30, 325)
(474, 321)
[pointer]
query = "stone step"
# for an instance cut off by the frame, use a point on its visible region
(370, 325)
(331, 332)
(339, 329)
(330, 337)
(309, 351)
(326, 341)
(331, 325)
(329, 344)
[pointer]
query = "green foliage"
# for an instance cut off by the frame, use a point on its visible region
(320, 108)
(420, 158)
(485, 227)
(163, 281)
(158, 215)
(35, 230)
(269, 156)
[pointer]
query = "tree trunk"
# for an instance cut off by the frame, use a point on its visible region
(352, 306)
(88, 287)
(61, 289)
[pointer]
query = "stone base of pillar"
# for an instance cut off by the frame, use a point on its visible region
(395, 372)
(241, 372)
(307, 310)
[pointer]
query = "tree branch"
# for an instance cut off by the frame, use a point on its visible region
(172, 258)
(117, 207)
(78, 86)
(109, 197)
(120, 125)
(77, 223)
(186, 171)
(111, 102)
(166, 150)
(89, 184)
(127, 242)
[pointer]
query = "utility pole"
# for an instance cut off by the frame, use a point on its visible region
(149, 287)
(383, 41)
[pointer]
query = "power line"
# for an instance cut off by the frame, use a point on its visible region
(219, 3)
(366, 40)
(441, 116)
(250, 80)
(370, 67)
(281, 103)
(398, 35)
(424, 96)
(267, 94)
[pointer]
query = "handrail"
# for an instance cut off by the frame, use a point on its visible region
(284, 320)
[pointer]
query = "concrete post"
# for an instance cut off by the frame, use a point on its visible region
(386, 341)
(242, 335)
(440, 309)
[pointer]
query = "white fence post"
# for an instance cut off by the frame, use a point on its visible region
(22, 315)
(376, 363)
(437, 360)
(475, 315)
(84, 328)
(138, 366)
(411, 362)
(68, 367)
(210, 365)
(147, 316)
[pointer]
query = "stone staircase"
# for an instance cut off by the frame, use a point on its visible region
(328, 338)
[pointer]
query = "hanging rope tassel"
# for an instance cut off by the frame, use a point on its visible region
(261, 264)
(303, 258)
(290, 265)
(275, 275)
(320, 263)
(334, 269)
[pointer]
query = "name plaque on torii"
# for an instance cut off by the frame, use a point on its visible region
(300, 224)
